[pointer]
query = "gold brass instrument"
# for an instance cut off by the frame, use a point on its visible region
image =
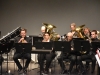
(98, 33)
(50, 29)
(79, 30)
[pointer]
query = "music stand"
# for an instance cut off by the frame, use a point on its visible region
(63, 46)
(85, 46)
(47, 46)
(95, 46)
(23, 48)
(36, 39)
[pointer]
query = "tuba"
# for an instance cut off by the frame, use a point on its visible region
(79, 30)
(50, 29)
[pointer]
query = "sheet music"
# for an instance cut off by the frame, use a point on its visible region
(98, 59)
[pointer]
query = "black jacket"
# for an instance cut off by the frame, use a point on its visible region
(28, 39)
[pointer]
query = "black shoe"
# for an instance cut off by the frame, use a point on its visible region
(64, 71)
(68, 72)
(19, 70)
(25, 70)
(92, 71)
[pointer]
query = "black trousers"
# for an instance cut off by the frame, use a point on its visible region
(71, 57)
(19, 56)
(48, 58)
(91, 57)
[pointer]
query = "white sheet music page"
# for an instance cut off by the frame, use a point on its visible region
(98, 59)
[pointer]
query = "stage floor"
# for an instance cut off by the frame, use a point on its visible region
(33, 69)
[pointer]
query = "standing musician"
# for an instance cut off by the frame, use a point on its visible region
(91, 54)
(22, 39)
(70, 55)
(47, 57)
(73, 30)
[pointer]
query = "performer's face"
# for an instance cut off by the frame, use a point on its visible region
(46, 36)
(86, 31)
(69, 36)
(72, 28)
(93, 35)
(23, 34)
(43, 29)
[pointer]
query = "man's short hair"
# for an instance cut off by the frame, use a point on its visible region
(23, 29)
(94, 31)
(73, 24)
(69, 33)
(47, 33)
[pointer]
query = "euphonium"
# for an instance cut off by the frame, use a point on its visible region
(79, 30)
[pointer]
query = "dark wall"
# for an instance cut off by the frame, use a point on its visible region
(30, 14)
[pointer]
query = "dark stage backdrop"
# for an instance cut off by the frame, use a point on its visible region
(30, 14)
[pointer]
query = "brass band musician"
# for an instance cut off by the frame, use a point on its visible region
(49, 28)
(70, 56)
(22, 39)
(73, 31)
(91, 54)
(47, 57)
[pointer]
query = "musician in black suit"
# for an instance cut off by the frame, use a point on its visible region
(91, 54)
(22, 39)
(47, 57)
(71, 56)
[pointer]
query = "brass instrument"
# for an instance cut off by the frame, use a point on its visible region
(98, 32)
(50, 29)
(79, 30)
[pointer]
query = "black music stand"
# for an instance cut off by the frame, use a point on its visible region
(85, 46)
(77, 48)
(47, 46)
(63, 46)
(95, 46)
(1, 52)
(23, 48)
(36, 39)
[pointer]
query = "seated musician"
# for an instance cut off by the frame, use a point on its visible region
(22, 39)
(73, 30)
(47, 57)
(70, 55)
(86, 33)
(43, 30)
(91, 54)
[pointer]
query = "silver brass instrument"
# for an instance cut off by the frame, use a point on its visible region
(50, 29)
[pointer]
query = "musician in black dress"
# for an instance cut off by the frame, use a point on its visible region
(22, 39)
(47, 57)
(66, 55)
